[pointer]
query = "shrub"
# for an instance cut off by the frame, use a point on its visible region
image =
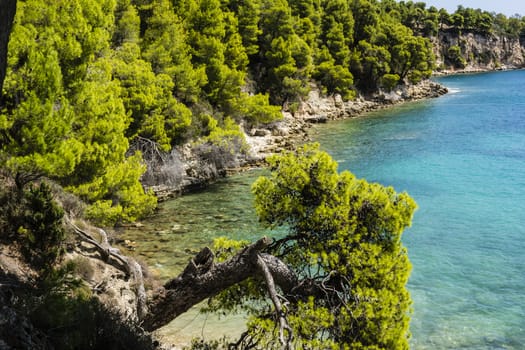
(389, 81)
(37, 218)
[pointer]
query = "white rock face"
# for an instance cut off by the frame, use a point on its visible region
(482, 52)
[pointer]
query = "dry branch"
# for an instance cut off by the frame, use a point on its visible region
(203, 278)
(123, 263)
(270, 284)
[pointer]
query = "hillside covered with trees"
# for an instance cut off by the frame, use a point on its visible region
(88, 80)
(89, 86)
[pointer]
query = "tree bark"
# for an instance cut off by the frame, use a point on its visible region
(202, 279)
(7, 15)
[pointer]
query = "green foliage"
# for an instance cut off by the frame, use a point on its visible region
(65, 115)
(225, 248)
(309, 322)
(242, 297)
(343, 234)
(455, 57)
(427, 22)
(346, 232)
(117, 195)
(201, 344)
(256, 109)
(337, 30)
(334, 77)
(389, 81)
(155, 112)
(86, 77)
(33, 220)
(216, 48)
(228, 137)
(247, 13)
(54, 301)
(285, 58)
(41, 228)
(167, 47)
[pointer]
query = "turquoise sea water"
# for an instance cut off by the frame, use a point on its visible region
(461, 156)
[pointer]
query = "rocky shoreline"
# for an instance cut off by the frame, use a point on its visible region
(475, 70)
(321, 109)
(189, 168)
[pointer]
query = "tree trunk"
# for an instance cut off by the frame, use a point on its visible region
(202, 279)
(7, 15)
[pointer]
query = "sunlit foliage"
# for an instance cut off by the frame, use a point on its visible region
(343, 234)
(85, 77)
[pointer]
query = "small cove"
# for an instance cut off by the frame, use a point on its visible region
(462, 157)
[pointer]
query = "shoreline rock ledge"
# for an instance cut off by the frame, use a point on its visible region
(316, 108)
(186, 168)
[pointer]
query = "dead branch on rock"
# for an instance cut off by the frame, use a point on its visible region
(123, 263)
(151, 151)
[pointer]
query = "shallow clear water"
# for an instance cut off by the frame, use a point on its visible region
(183, 226)
(462, 157)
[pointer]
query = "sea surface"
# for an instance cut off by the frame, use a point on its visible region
(461, 156)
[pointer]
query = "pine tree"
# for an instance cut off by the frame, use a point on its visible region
(348, 232)
(165, 47)
(341, 239)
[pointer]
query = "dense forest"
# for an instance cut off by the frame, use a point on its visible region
(87, 83)
(88, 79)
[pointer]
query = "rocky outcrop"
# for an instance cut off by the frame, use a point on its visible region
(318, 108)
(190, 167)
(333, 107)
(480, 52)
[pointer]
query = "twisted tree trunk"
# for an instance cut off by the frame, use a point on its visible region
(202, 279)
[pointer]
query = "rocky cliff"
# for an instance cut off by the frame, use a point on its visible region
(474, 52)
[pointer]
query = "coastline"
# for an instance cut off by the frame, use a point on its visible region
(293, 129)
(475, 70)
(185, 170)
